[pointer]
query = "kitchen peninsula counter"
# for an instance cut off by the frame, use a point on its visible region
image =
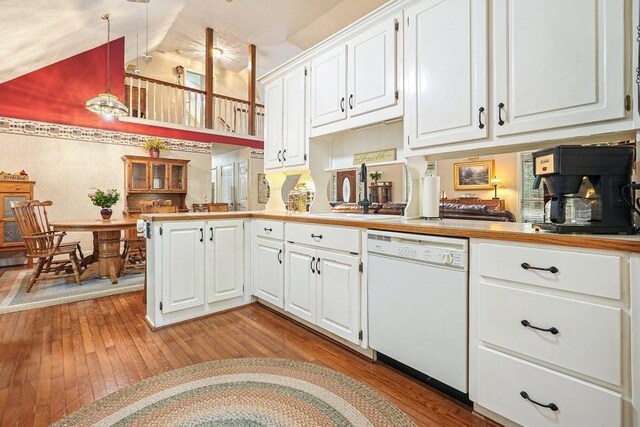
(507, 231)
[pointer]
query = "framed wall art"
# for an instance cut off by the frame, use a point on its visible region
(474, 175)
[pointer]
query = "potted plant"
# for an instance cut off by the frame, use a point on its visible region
(154, 145)
(105, 199)
(375, 176)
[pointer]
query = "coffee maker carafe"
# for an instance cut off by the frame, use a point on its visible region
(586, 185)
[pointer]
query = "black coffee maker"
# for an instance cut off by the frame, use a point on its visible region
(595, 175)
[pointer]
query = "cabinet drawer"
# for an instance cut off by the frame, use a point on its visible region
(15, 187)
(342, 239)
(502, 379)
(269, 229)
(588, 338)
(585, 273)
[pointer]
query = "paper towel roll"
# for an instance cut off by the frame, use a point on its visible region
(431, 197)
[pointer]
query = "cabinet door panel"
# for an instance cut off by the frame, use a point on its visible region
(182, 266)
(268, 271)
(501, 379)
(558, 63)
(300, 282)
(138, 176)
(224, 269)
(295, 109)
(446, 71)
(338, 287)
(273, 125)
(372, 69)
(328, 87)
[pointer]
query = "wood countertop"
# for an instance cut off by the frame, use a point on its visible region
(508, 231)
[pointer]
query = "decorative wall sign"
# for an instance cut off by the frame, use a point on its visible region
(263, 188)
(374, 157)
(473, 175)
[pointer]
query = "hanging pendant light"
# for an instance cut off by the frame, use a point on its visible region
(106, 104)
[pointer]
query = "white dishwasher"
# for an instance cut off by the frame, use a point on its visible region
(417, 303)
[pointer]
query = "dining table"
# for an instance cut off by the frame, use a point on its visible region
(106, 242)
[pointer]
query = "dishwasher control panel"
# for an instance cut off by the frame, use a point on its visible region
(443, 251)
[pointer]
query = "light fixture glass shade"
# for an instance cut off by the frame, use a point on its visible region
(495, 181)
(217, 52)
(107, 106)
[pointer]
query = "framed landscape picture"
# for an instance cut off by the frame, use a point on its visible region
(474, 175)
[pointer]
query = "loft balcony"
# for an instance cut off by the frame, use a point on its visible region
(160, 103)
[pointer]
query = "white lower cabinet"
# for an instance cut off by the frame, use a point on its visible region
(531, 395)
(323, 287)
(268, 270)
(300, 282)
(338, 294)
(182, 266)
(194, 268)
(549, 345)
(224, 260)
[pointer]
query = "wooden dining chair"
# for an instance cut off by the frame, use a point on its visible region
(210, 207)
(133, 252)
(43, 245)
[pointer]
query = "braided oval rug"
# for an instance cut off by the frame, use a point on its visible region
(243, 392)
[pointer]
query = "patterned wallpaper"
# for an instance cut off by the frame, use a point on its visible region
(53, 130)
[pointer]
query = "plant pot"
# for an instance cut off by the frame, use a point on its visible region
(106, 213)
(154, 152)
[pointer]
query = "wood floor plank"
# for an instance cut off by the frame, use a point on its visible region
(55, 360)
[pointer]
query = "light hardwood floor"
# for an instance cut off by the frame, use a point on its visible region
(57, 359)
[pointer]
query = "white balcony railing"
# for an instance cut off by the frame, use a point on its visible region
(171, 103)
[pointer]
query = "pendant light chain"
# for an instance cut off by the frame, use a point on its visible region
(108, 52)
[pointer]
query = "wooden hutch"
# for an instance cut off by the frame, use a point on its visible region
(151, 178)
(12, 250)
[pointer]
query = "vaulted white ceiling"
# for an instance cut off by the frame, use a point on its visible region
(36, 33)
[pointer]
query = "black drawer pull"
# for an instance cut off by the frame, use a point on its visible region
(211, 234)
(318, 265)
(316, 236)
(268, 230)
(201, 235)
(279, 152)
(527, 266)
(284, 159)
(351, 102)
(280, 256)
(312, 261)
(480, 111)
(551, 406)
(553, 330)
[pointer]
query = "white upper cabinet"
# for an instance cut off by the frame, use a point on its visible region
(371, 76)
(445, 71)
(329, 87)
(357, 83)
(273, 100)
(557, 63)
(294, 118)
(286, 109)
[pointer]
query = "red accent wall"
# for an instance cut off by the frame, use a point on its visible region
(58, 92)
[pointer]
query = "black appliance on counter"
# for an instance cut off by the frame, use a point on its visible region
(598, 177)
